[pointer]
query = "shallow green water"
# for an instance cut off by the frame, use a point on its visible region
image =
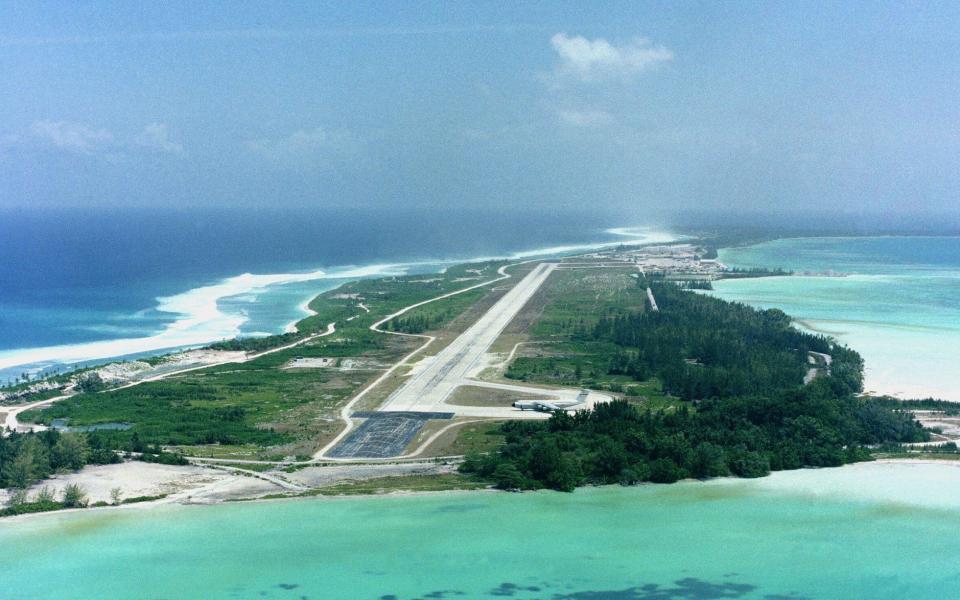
(899, 305)
(858, 532)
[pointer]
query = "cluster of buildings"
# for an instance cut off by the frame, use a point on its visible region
(666, 259)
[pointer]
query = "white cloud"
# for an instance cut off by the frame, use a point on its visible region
(585, 118)
(79, 138)
(595, 60)
(156, 136)
(306, 146)
(75, 137)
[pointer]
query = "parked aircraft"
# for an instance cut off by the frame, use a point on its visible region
(552, 405)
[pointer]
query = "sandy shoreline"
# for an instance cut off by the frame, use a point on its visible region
(214, 484)
(192, 486)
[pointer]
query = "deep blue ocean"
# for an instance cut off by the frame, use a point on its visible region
(71, 277)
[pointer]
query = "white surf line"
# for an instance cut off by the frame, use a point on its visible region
(348, 408)
(308, 312)
(198, 321)
(11, 423)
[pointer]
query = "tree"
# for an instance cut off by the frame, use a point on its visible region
(708, 461)
(507, 477)
(115, 496)
(31, 462)
(90, 383)
(45, 496)
(74, 496)
(610, 460)
(664, 470)
(18, 497)
(746, 463)
(19, 472)
(70, 452)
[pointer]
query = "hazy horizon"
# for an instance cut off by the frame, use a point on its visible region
(650, 112)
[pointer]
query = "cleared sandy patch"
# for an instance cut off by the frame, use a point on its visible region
(230, 487)
(134, 479)
(331, 475)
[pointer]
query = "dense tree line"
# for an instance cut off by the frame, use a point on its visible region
(947, 407)
(423, 319)
(702, 347)
(694, 284)
(28, 458)
(417, 323)
(751, 414)
(736, 272)
(257, 344)
(809, 426)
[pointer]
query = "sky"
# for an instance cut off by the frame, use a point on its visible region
(629, 107)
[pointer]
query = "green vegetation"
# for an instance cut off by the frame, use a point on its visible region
(156, 455)
(694, 284)
(24, 508)
(944, 406)
(946, 452)
(702, 347)
(138, 499)
(746, 437)
(260, 404)
(710, 388)
(697, 346)
(381, 296)
(570, 304)
(469, 395)
(175, 411)
(740, 273)
(90, 383)
(28, 458)
(738, 371)
(73, 496)
(473, 438)
(435, 315)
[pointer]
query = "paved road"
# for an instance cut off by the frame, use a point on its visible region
(429, 389)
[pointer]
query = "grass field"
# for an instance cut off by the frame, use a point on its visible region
(259, 409)
(471, 437)
(478, 396)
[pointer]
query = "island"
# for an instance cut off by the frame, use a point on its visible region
(609, 367)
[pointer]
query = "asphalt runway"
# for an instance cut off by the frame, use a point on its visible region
(427, 390)
(383, 434)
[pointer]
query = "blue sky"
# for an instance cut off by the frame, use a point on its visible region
(626, 107)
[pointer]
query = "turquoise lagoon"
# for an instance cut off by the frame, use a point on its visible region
(877, 531)
(898, 303)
